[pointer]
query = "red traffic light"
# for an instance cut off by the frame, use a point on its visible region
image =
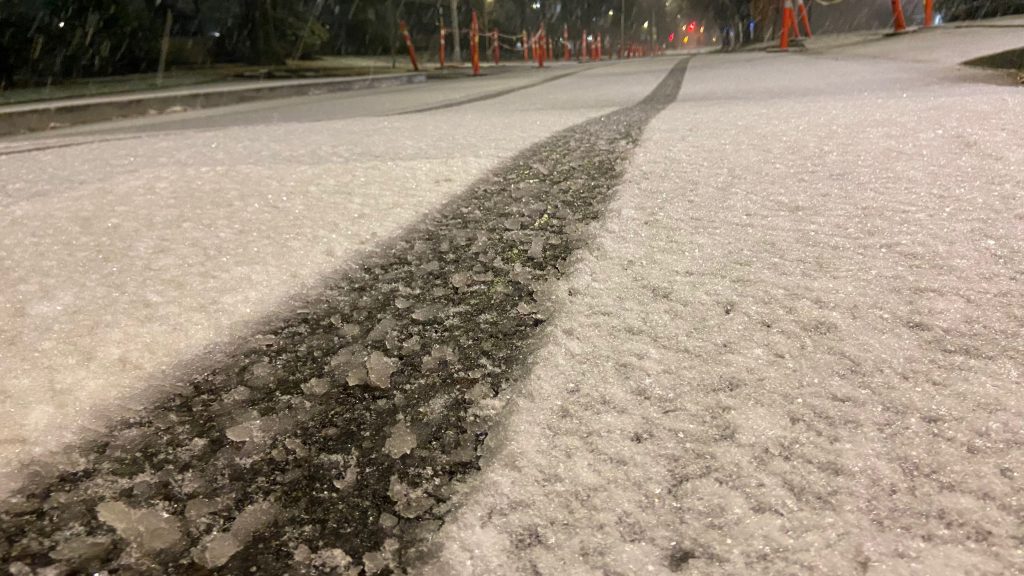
(691, 26)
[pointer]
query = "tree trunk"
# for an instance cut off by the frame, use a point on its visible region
(263, 46)
(456, 49)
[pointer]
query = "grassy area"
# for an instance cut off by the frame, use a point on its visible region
(331, 66)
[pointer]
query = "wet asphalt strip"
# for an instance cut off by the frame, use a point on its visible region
(330, 443)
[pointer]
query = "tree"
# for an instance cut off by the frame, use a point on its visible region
(258, 21)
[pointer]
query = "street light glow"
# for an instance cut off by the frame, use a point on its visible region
(646, 22)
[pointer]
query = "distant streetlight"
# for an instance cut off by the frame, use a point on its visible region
(646, 23)
(611, 12)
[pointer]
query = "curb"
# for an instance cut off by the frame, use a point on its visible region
(37, 117)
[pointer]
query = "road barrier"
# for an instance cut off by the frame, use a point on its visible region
(898, 22)
(538, 49)
(441, 48)
(474, 44)
(802, 11)
(787, 21)
(408, 45)
(537, 46)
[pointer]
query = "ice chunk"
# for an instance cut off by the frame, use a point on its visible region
(82, 549)
(356, 376)
(331, 559)
(254, 518)
(148, 528)
(401, 441)
(409, 502)
(427, 312)
(302, 554)
(261, 428)
(218, 548)
(437, 355)
(197, 509)
(244, 432)
(349, 330)
(460, 279)
(382, 329)
(388, 521)
(315, 387)
(261, 374)
(411, 345)
(348, 358)
(379, 368)
(536, 250)
(526, 308)
(374, 562)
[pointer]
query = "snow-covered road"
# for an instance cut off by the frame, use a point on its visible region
(128, 262)
(795, 346)
(791, 344)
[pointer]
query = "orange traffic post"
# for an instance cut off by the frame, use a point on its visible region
(794, 23)
(474, 44)
(440, 49)
(600, 42)
(538, 49)
(408, 45)
(929, 18)
(565, 43)
(899, 24)
(583, 46)
(802, 10)
(495, 47)
(787, 18)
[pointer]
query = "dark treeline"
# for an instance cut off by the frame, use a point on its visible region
(48, 41)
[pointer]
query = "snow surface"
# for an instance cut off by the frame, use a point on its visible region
(794, 347)
(125, 263)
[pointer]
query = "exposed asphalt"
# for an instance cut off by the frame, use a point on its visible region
(330, 442)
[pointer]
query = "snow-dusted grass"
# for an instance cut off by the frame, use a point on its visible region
(795, 347)
(122, 261)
